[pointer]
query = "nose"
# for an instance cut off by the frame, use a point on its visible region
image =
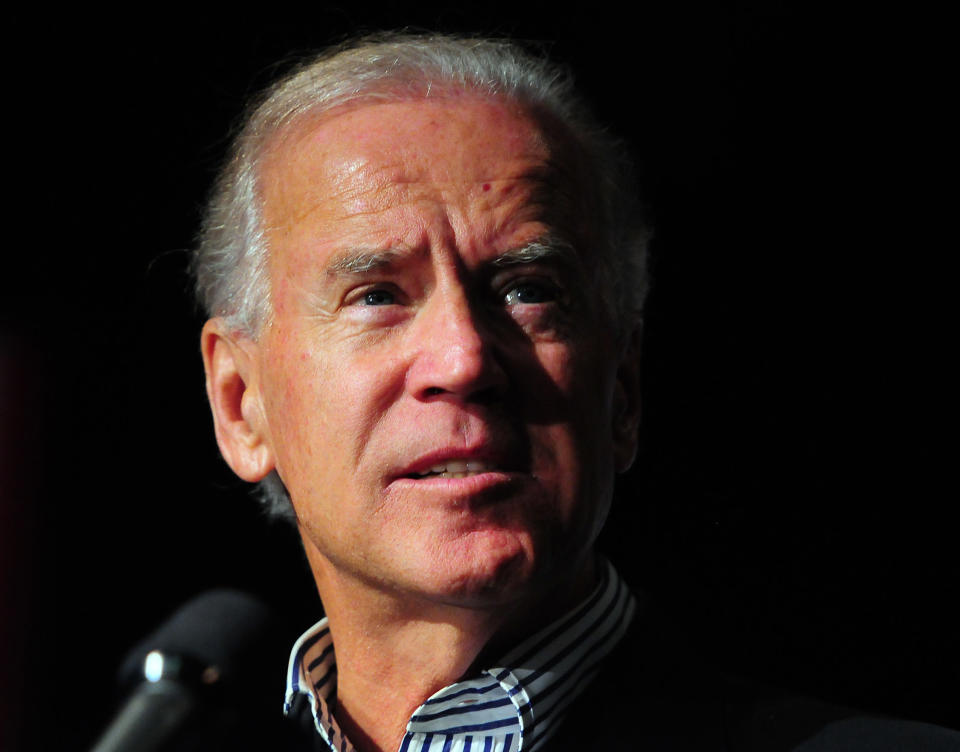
(455, 352)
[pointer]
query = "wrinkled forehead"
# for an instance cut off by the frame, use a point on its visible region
(336, 154)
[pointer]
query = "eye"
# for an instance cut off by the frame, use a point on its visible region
(529, 292)
(379, 297)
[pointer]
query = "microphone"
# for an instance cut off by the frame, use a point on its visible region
(197, 678)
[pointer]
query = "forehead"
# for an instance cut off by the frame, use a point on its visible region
(403, 132)
(374, 156)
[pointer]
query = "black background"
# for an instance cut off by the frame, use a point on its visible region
(790, 503)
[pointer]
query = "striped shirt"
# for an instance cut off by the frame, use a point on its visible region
(514, 705)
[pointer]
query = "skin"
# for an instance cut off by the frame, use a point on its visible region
(401, 339)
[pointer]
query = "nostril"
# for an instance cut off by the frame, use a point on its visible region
(433, 391)
(490, 395)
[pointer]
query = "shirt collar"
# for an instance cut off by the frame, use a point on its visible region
(514, 705)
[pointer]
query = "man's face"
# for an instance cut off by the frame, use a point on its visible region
(438, 383)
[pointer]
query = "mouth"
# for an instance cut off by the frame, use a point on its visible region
(462, 480)
(455, 469)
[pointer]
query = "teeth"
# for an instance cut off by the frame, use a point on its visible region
(457, 469)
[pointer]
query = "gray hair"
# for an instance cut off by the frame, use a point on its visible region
(230, 263)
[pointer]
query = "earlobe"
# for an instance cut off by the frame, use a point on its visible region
(626, 405)
(230, 362)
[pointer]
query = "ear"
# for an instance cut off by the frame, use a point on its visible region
(626, 405)
(231, 363)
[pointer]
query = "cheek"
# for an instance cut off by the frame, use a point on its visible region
(295, 392)
(583, 390)
(325, 403)
(574, 378)
(559, 362)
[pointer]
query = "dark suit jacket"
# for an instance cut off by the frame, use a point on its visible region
(669, 700)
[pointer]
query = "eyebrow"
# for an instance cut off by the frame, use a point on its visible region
(544, 249)
(360, 261)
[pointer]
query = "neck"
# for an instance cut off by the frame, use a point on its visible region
(394, 652)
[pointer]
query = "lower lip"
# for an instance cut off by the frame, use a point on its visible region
(470, 484)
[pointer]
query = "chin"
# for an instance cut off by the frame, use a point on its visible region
(490, 569)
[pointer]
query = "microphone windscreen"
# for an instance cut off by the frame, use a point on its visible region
(226, 654)
(226, 629)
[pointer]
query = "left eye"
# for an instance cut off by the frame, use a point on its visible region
(379, 298)
(530, 293)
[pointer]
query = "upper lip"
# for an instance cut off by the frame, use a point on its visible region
(493, 458)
